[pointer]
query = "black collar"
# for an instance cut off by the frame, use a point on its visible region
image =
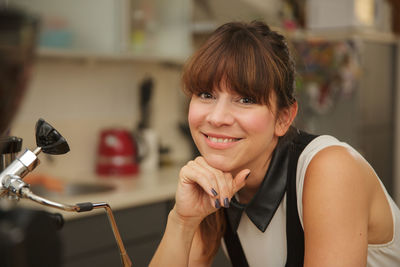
(265, 202)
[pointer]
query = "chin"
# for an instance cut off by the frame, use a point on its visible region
(219, 162)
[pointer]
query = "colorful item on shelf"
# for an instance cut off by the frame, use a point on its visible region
(327, 71)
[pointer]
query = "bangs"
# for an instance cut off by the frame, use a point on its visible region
(235, 59)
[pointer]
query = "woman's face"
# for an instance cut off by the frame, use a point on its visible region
(232, 132)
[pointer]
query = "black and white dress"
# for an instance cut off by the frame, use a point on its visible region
(269, 248)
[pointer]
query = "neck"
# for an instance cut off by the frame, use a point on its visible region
(256, 177)
(253, 183)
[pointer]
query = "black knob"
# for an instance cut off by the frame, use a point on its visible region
(49, 139)
(10, 145)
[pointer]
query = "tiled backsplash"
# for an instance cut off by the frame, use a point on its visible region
(81, 98)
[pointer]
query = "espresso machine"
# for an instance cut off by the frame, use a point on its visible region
(29, 237)
(49, 141)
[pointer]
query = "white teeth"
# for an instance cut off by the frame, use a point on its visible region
(220, 140)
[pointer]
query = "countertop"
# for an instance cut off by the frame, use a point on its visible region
(145, 188)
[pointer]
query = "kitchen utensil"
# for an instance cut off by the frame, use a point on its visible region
(146, 92)
(117, 153)
(151, 159)
(145, 137)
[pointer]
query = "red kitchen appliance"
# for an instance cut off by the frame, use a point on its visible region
(117, 153)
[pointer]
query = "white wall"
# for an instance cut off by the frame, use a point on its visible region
(80, 98)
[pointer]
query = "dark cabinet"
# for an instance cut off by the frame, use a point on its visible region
(89, 241)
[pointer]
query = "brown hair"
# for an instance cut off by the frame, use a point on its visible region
(250, 58)
(253, 61)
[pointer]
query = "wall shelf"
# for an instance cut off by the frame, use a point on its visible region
(68, 54)
(207, 28)
(341, 34)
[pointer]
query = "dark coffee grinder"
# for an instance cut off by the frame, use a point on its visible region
(28, 237)
(21, 230)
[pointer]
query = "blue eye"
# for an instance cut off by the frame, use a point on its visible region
(247, 100)
(205, 95)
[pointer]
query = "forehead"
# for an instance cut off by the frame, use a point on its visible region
(224, 87)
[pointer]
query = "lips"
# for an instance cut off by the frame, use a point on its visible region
(220, 141)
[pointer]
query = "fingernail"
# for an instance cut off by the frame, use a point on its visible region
(214, 192)
(217, 204)
(247, 176)
(226, 203)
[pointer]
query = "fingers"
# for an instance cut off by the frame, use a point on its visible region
(227, 186)
(240, 180)
(208, 178)
(223, 180)
(192, 173)
(219, 186)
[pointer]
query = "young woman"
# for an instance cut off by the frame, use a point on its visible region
(259, 182)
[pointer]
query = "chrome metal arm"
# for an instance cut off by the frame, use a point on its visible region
(25, 192)
(126, 261)
(49, 141)
(11, 183)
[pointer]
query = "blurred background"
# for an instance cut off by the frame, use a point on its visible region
(107, 74)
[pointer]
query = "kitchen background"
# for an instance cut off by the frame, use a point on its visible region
(95, 54)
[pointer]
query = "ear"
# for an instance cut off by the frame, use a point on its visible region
(285, 119)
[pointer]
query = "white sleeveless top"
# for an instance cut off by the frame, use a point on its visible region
(268, 249)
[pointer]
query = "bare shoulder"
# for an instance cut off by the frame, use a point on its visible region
(339, 173)
(340, 164)
(337, 153)
(336, 204)
(344, 209)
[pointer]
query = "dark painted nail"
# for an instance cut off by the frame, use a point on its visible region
(214, 192)
(247, 176)
(217, 204)
(226, 203)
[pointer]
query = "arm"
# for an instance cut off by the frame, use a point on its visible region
(336, 209)
(201, 190)
(176, 243)
(181, 245)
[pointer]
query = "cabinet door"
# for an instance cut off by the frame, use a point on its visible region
(140, 254)
(89, 241)
(90, 25)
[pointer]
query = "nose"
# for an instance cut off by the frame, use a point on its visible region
(220, 114)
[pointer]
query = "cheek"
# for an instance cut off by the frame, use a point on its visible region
(195, 115)
(259, 122)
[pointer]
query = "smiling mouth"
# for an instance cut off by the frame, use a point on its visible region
(221, 140)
